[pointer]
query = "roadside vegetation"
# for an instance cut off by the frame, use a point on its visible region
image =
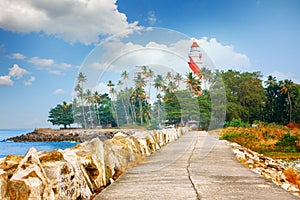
(273, 140)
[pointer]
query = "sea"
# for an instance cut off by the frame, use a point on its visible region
(20, 148)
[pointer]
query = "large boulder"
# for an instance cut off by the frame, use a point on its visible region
(3, 185)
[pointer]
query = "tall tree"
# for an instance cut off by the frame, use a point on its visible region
(112, 93)
(81, 79)
(61, 115)
(89, 100)
(120, 83)
(285, 88)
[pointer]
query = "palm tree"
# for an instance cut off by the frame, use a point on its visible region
(285, 88)
(125, 77)
(150, 76)
(81, 79)
(178, 78)
(169, 76)
(120, 83)
(89, 99)
(194, 84)
(112, 93)
(96, 103)
(207, 76)
(139, 92)
(158, 84)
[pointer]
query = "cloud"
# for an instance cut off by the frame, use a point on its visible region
(17, 56)
(81, 20)
(41, 62)
(58, 91)
(30, 81)
(151, 18)
(282, 76)
(50, 65)
(224, 56)
(6, 81)
(17, 72)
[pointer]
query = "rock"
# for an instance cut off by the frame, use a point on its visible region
(285, 186)
(78, 172)
(31, 176)
(3, 185)
(270, 168)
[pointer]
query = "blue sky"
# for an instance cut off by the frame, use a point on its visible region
(44, 43)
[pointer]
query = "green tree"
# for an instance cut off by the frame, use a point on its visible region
(285, 88)
(61, 115)
(81, 79)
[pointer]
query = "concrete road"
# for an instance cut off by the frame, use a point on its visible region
(196, 166)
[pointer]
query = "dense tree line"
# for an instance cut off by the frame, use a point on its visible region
(155, 100)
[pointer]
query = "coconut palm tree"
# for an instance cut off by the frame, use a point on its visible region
(81, 79)
(285, 88)
(158, 84)
(112, 93)
(139, 92)
(150, 75)
(89, 100)
(178, 78)
(96, 98)
(125, 77)
(120, 83)
(194, 84)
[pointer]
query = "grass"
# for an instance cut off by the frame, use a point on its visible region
(272, 140)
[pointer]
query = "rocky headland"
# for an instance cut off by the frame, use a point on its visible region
(76, 135)
(79, 172)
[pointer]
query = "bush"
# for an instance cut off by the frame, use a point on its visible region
(288, 142)
(236, 123)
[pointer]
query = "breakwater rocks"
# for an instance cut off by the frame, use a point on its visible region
(281, 173)
(78, 172)
(76, 135)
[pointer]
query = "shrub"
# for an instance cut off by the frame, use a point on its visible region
(236, 123)
(288, 142)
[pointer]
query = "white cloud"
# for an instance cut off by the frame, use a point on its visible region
(282, 76)
(50, 65)
(41, 62)
(18, 56)
(80, 20)
(17, 72)
(224, 56)
(56, 72)
(58, 91)
(6, 81)
(30, 81)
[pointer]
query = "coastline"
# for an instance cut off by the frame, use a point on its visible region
(72, 135)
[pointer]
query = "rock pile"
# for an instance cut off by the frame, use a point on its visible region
(271, 169)
(79, 172)
(77, 135)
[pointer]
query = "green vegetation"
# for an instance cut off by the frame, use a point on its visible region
(270, 139)
(179, 99)
(61, 115)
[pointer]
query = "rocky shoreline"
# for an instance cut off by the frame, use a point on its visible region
(79, 172)
(74, 135)
(283, 174)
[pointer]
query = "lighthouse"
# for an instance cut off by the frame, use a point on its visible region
(195, 57)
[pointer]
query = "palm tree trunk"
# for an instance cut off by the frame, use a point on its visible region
(83, 113)
(126, 115)
(91, 117)
(291, 106)
(141, 111)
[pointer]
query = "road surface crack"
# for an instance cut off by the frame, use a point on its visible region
(189, 172)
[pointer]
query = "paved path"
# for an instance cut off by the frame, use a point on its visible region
(190, 169)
